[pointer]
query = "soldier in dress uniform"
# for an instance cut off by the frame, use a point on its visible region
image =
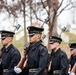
(59, 59)
(73, 54)
(10, 54)
(38, 53)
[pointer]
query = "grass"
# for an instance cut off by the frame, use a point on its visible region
(65, 46)
(19, 44)
(72, 37)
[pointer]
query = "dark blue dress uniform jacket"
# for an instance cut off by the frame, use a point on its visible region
(10, 58)
(59, 61)
(1, 71)
(38, 58)
(72, 60)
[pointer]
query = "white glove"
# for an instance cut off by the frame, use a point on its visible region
(17, 70)
(72, 73)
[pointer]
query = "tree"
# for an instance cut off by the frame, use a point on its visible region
(53, 8)
(14, 10)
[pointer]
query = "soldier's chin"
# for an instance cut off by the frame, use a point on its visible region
(53, 49)
(31, 42)
(4, 45)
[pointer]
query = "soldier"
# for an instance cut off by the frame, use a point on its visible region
(73, 54)
(10, 54)
(38, 53)
(59, 60)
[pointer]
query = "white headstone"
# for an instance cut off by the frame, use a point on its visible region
(19, 35)
(64, 37)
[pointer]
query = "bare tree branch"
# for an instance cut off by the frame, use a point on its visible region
(37, 16)
(63, 9)
(44, 6)
(60, 4)
(34, 11)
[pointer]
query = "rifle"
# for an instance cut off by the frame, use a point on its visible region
(50, 54)
(1, 51)
(63, 30)
(23, 59)
(17, 27)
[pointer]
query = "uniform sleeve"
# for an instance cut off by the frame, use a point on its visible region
(63, 64)
(15, 58)
(73, 61)
(42, 62)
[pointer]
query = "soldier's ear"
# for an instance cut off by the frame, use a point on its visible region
(10, 38)
(39, 36)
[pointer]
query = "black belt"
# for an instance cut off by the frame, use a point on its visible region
(5, 70)
(56, 71)
(33, 70)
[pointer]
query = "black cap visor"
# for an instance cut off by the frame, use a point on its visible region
(3, 36)
(71, 49)
(32, 34)
(53, 41)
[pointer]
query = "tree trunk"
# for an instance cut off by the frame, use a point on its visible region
(25, 36)
(54, 24)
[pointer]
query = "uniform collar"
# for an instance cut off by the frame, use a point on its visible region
(56, 52)
(36, 45)
(8, 48)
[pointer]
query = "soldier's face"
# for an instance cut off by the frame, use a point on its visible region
(5, 41)
(53, 45)
(73, 51)
(34, 38)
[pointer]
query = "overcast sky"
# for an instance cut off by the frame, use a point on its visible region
(65, 18)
